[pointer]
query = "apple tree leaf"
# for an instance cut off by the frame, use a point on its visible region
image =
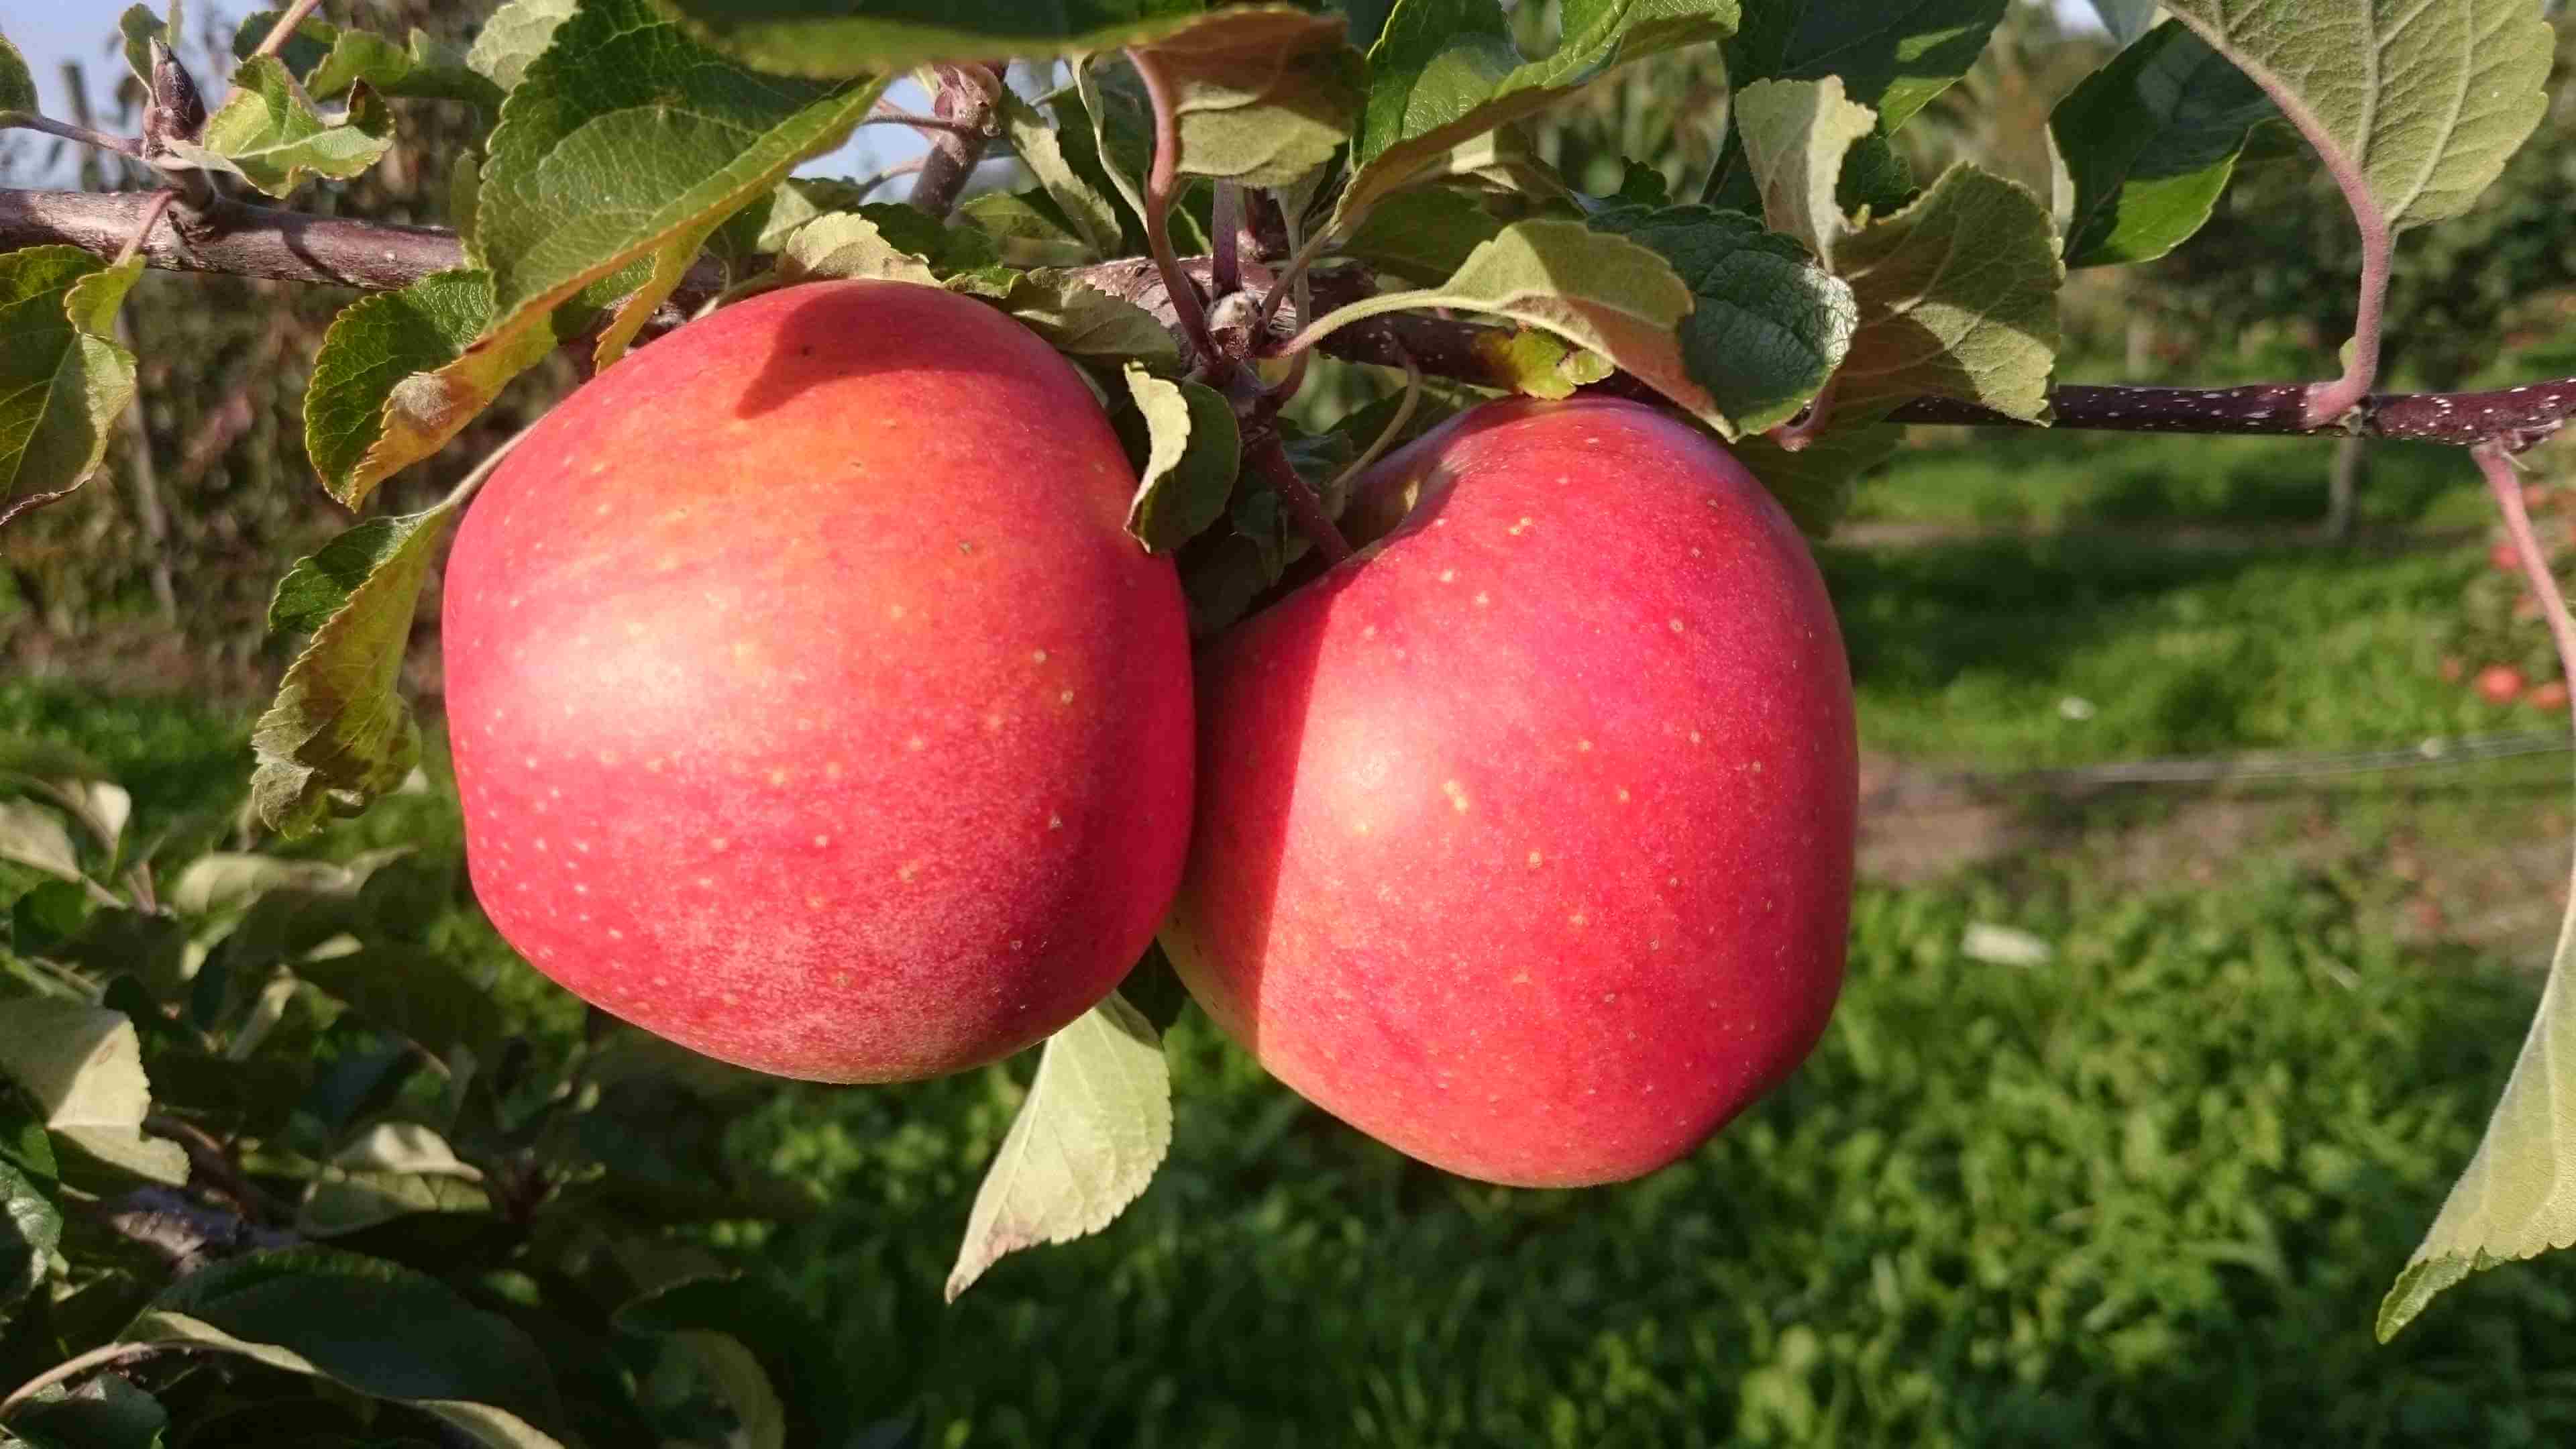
(272, 136)
(138, 27)
(37, 838)
(1958, 299)
(31, 1222)
(1891, 58)
(1263, 99)
(1078, 318)
(1816, 482)
(516, 34)
(17, 85)
(1796, 137)
(1423, 234)
(2149, 142)
(1443, 72)
(397, 375)
(370, 1327)
(418, 995)
(848, 244)
(1095, 1125)
(763, 1350)
(391, 1170)
(1767, 325)
(860, 37)
(1041, 149)
(424, 68)
(63, 375)
(2517, 1197)
(83, 1067)
(2425, 100)
(339, 734)
(1191, 448)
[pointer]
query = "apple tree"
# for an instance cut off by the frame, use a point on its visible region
(930, 631)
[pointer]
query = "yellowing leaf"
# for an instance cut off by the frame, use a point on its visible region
(63, 377)
(1958, 298)
(83, 1065)
(1096, 1124)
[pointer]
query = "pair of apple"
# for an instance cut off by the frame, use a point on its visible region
(812, 708)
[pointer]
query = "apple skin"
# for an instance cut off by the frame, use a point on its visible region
(1525, 838)
(811, 706)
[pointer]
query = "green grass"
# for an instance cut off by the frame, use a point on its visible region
(2015, 477)
(2148, 1193)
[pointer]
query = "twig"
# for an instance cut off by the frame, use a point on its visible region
(920, 122)
(151, 218)
(209, 1157)
(965, 104)
(1305, 509)
(2495, 460)
(239, 239)
(73, 1367)
(30, 121)
(285, 27)
(1160, 182)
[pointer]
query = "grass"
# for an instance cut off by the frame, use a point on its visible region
(2149, 1192)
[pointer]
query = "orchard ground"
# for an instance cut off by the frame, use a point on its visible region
(2147, 1190)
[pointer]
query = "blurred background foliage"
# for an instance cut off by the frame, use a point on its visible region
(2147, 1189)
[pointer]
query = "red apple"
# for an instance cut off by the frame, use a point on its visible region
(2500, 683)
(1525, 838)
(2548, 698)
(811, 706)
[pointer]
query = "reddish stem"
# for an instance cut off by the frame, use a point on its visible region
(1305, 508)
(2497, 464)
(1161, 180)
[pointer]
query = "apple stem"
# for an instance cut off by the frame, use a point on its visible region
(285, 27)
(1305, 506)
(151, 218)
(1225, 272)
(1161, 180)
(2495, 460)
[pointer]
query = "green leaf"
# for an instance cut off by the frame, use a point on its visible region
(35, 837)
(516, 34)
(420, 996)
(2517, 1197)
(2149, 141)
(1422, 235)
(2426, 100)
(861, 37)
(83, 1065)
(1816, 483)
(17, 86)
(1891, 58)
(1022, 235)
(1120, 127)
(1078, 318)
(1261, 97)
(139, 26)
(626, 141)
(1767, 326)
(270, 135)
(1796, 137)
(63, 377)
(1037, 145)
(1537, 364)
(426, 68)
(338, 734)
(370, 1327)
(846, 244)
(1096, 1124)
(773, 1363)
(1958, 299)
(1445, 71)
(391, 1170)
(399, 373)
(1192, 449)
(303, 50)
(1612, 295)
(31, 1225)
(104, 1412)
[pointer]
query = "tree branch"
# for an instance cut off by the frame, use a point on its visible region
(240, 239)
(965, 104)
